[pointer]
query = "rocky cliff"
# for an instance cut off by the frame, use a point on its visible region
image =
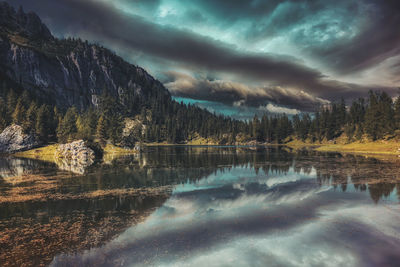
(69, 72)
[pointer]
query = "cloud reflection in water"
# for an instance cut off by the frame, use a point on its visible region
(242, 217)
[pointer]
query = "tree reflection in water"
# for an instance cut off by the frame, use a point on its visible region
(70, 212)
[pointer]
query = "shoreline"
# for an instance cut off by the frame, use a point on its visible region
(387, 148)
(384, 148)
(47, 152)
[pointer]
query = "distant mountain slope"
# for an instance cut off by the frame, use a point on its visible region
(69, 72)
(74, 75)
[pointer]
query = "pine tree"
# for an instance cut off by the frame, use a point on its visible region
(11, 104)
(397, 112)
(31, 115)
(3, 115)
(256, 129)
(372, 116)
(387, 123)
(67, 130)
(18, 116)
(101, 131)
(44, 122)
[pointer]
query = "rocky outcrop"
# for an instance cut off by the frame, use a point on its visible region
(132, 132)
(77, 150)
(75, 156)
(13, 139)
(67, 72)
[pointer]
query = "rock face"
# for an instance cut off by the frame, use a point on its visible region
(67, 72)
(75, 151)
(13, 139)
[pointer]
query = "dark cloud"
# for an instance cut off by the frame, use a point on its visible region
(238, 94)
(129, 34)
(378, 40)
(347, 35)
(107, 24)
(234, 93)
(104, 23)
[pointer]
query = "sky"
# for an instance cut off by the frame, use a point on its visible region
(240, 57)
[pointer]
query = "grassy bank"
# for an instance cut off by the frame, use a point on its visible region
(111, 149)
(376, 147)
(47, 153)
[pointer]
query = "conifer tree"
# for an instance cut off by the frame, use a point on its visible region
(397, 112)
(44, 122)
(66, 130)
(101, 131)
(18, 116)
(11, 104)
(30, 120)
(3, 115)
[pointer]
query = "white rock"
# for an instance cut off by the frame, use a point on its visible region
(13, 139)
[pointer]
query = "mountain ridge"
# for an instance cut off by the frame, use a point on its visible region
(70, 72)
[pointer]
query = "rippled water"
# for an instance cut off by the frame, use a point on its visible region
(213, 207)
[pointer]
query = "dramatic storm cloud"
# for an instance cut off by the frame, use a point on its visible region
(238, 94)
(283, 54)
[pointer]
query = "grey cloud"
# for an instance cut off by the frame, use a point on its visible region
(101, 22)
(368, 29)
(234, 93)
(379, 40)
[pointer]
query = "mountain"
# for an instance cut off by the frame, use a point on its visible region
(62, 90)
(66, 89)
(69, 71)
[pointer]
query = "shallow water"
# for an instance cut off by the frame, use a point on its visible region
(204, 206)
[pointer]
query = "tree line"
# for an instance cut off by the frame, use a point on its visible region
(375, 117)
(164, 120)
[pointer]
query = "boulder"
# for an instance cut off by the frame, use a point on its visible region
(132, 132)
(75, 157)
(76, 151)
(13, 139)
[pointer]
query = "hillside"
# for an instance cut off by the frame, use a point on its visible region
(70, 71)
(61, 90)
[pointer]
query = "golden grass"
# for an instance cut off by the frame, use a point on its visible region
(112, 152)
(298, 143)
(118, 150)
(378, 147)
(159, 144)
(368, 147)
(45, 153)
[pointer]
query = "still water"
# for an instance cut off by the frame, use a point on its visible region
(203, 206)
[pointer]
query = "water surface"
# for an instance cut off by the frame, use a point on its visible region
(204, 206)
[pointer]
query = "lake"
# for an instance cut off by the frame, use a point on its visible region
(203, 206)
